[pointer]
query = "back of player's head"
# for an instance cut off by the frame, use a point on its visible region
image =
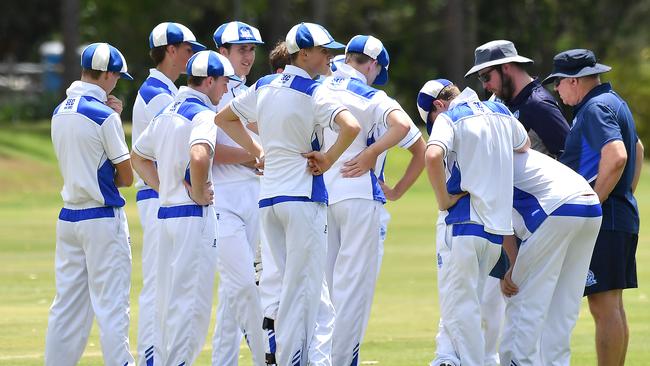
(279, 57)
(236, 33)
(363, 48)
(308, 35)
(439, 89)
(208, 63)
(168, 33)
(102, 57)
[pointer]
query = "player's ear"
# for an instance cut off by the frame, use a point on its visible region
(223, 51)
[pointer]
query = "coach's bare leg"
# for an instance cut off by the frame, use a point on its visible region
(627, 332)
(611, 326)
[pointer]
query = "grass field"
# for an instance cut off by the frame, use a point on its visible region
(405, 312)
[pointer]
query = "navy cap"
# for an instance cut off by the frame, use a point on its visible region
(307, 35)
(495, 53)
(373, 48)
(172, 33)
(574, 64)
(104, 57)
(209, 63)
(236, 33)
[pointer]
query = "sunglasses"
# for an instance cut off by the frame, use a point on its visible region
(557, 81)
(486, 76)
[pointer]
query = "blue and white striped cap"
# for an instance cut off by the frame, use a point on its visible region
(307, 35)
(209, 63)
(172, 33)
(104, 57)
(236, 33)
(336, 61)
(430, 92)
(373, 48)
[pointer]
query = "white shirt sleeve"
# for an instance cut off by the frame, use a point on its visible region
(411, 137)
(204, 131)
(519, 134)
(112, 136)
(442, 134)
(144, 145)
(245, 105)
(383, 105)
(326, 107)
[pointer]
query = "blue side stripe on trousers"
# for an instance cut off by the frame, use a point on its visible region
(575, 210)
(475, 230)
(180, 211)
(70, 215)
(146, 194)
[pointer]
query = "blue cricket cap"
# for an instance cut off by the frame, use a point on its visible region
(373, 48)
(209, 63)
(104, 57)
(173, 33)
(430, 92)
(307, 35)
(236, 33)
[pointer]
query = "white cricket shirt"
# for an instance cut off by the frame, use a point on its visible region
(189, 120)
(88, 141)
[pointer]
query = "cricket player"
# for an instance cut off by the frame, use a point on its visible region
(291, 110)
(239, 311)
(181, 143)
(171, 45)
(93, 253)
(355, 202)
(557, 216)
(481, 137)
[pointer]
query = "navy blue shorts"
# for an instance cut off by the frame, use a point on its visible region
(613, 262)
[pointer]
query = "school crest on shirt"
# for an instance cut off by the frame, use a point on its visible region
(591, 279)
(516, 114)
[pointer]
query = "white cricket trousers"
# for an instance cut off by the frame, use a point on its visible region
(93, 280)
(296, 233)
(239, 310)
(148, 204)
(550, 271)
(493, 308)
(384, 219)
(352, 257)
(320, 346)
(465, 257)
(187, 258)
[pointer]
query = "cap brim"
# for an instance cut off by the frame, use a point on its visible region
(382, 78)
(334, 45)
(501, 61)
(234, 78)
(586, 71)
(245, 41)
(126, 76)
(196, 46)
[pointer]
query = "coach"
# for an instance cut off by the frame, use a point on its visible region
(604, 148)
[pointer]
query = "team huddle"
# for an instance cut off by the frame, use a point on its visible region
(279, 187)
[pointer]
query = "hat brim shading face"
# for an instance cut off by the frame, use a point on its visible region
(585, 71)
(501, 61)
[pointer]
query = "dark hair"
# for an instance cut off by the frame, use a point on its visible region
(359, 58)
(447, 93)
(90, 73)
(157, 54)
(227, 46)
(279, 57)
(195, 80)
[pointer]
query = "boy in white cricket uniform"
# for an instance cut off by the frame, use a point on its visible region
(93, 253)
(557, 216)
(291, 110)
(239, 310)
(181, 143)
(352, 251)
(171, 45)
(483, 137)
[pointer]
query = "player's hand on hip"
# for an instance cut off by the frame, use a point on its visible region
(114, 103)
(317, 162)
(202, 196)
(359, 165)
(450, 201)
(390, 193)
(508, 287)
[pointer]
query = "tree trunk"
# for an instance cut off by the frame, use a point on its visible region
(70, 25)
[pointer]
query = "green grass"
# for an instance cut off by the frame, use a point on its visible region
(405, 313)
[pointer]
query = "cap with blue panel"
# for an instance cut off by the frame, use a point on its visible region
(173, 33)
(430, 92)
(308, 35)
(236, 33)
(373, 48)
(209, 63)
(104, 57)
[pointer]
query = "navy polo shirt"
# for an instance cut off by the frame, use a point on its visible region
(538, 111)
(602, 117)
